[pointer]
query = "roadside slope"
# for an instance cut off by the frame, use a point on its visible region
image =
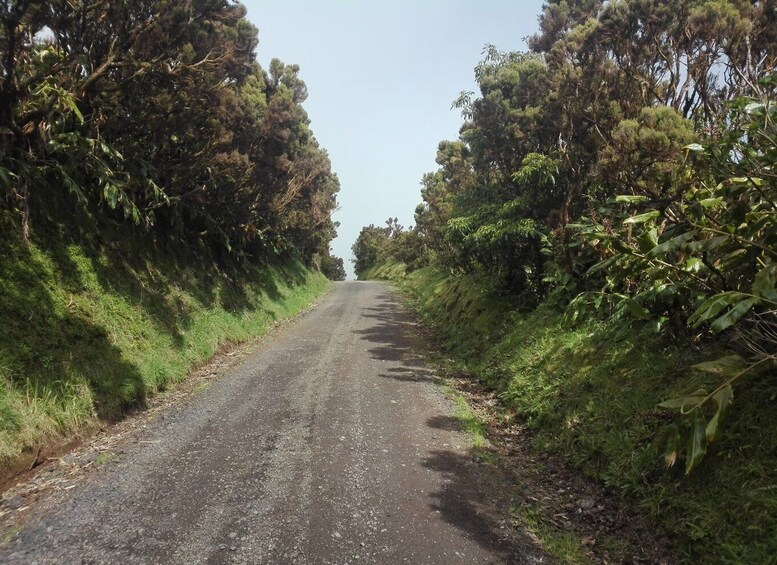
(91, 329)
(589, 392)
(331, 443)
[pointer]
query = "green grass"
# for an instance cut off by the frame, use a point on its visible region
(590, 393)
(562, 544)
(472, 424)
(386, 272)
(468, 420)
(92, 329)
(103, 458)
(565, 544)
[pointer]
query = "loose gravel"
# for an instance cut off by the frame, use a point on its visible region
(330, 443)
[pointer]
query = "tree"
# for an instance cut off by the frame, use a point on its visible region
(157, 112)
(625, 164)
(368, 248)
(333, 268)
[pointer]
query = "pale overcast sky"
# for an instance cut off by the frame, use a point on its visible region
(381, 78)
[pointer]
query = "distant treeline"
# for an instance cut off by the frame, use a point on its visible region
(156, 113)
(625, 166)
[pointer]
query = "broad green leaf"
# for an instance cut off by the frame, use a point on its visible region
(694, 265)
(133, 213)
(746, 180)
(636, 309)
(685, 401)
(713, 306)
(733, 255)
(648, 239)
(708, 244)
(110, 151)
(595, 235)
(607, 263)
(6, 175)
(728, 366)
(111, 192)
(697, 442)
(73, 187)
(734, 315)
(694, 147)
(759, 220)
(756, 108)
(765, 282)
(568, 226)
(622, 246)
(73, 106)
(722, 399)
(672, 244)
(631, 199)
(658, 324)
(672, 447)
(710, 202)
(770, 294)
(642, 218)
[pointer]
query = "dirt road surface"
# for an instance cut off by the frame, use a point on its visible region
(330, 443)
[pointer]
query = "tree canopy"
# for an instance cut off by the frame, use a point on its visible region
(157, 113)
(623, 165)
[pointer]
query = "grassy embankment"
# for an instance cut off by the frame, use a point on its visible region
(590, 393)
(388, 272)
(89, 330)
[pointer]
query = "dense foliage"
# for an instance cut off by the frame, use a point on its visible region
(157, 113)
(625, 164)
(588, 391)
(333, 268)
(378, 246)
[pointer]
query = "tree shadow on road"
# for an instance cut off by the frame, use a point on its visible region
(394, 340)
(476, 497)
(410, 374)
(476, 500)
(443, 422)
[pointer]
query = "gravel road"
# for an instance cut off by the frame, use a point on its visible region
(330, 443)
